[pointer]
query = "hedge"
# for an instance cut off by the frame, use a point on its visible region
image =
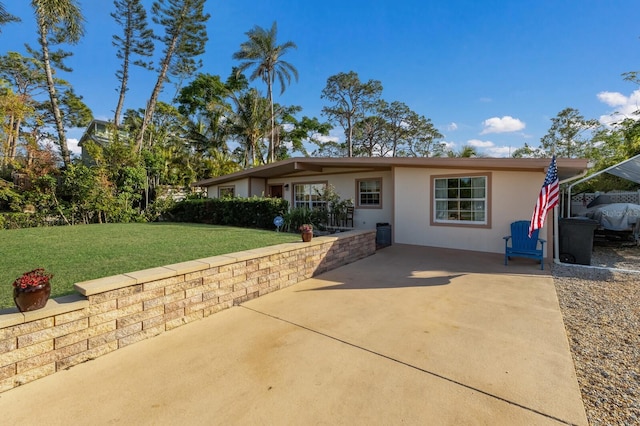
(27, 220)
(255, 212)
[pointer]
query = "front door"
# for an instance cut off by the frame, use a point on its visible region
(275, 191)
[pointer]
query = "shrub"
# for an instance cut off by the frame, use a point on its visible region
(296, 218)
(26, 220)
(255, 212)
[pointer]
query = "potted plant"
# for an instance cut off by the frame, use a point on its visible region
(306, 229)
(31, 290)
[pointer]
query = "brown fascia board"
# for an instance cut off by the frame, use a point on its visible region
(265, 170)
(567, 167)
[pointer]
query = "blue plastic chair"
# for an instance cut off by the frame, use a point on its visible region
(522, 245)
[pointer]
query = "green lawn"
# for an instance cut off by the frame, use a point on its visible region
(84, 252)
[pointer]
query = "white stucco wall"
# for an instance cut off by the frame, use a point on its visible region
(513, 197)
(241, 188)
(258, 188)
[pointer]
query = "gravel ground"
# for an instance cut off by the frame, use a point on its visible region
(601, 311)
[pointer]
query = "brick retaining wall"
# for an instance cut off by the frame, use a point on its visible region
(113, 312)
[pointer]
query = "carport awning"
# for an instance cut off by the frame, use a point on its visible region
(628, 169)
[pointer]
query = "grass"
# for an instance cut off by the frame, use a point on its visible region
(84, 252)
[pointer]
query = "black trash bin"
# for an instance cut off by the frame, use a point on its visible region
(576, 239)
(383, 234)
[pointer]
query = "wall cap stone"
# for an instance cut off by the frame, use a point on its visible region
(102, 285)
(151, 274)
(57, 306)
(188, 267)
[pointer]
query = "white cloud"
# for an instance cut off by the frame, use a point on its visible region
(612, 98)
(489, 148)
(73, 146)
(502, 125)
(448, 144)
(500, 151)
(452, 127)
(322, 138)
(625, 106)
(480, 144)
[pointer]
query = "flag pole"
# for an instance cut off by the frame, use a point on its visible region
(556, 235)
(556, 229)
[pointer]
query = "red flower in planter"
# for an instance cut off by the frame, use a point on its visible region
(307, 227)
(32, 279)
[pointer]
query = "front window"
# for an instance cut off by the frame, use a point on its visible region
(461, 199)
(369, 193)
(309, 195)
(226, 192)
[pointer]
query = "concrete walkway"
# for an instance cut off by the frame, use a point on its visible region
(411, 335)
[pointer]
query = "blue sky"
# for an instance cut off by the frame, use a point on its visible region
(487, 73)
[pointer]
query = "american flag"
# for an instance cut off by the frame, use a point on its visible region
(547, 199)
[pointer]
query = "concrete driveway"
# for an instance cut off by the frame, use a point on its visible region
(410, 335)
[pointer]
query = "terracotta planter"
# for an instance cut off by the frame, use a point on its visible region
(306, 236)
(30, 299)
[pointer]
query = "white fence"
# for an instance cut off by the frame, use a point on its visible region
(579, 202)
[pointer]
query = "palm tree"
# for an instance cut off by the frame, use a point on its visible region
(466, 151)
(248, 122)
(62, 21)
(262, 52)
(6, 17)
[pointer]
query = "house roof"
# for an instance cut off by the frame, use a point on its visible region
(90, 132)
(567, 167)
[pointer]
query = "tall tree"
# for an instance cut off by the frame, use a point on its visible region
(185, 35)
(206, 102)
(369, 136)
(565, 137)
(611, 145)
(249, 122)
(262, 52)
(13, 110)
(396, 116)
(296, 132)
(137, 39)
(351, 100)
(6, 17)
(527, 151)
(58, 21)
(75, 113)
(421, 138)
(27, 81)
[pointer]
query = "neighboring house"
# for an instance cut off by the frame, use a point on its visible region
(458, 203)
(98, 131)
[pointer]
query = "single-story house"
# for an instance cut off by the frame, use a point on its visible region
(458, 203)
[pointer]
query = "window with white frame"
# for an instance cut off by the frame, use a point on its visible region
(369, 192)
(461, 199)
(309, 195)
(226, 191)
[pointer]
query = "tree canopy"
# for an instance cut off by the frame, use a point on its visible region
(214, 125)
